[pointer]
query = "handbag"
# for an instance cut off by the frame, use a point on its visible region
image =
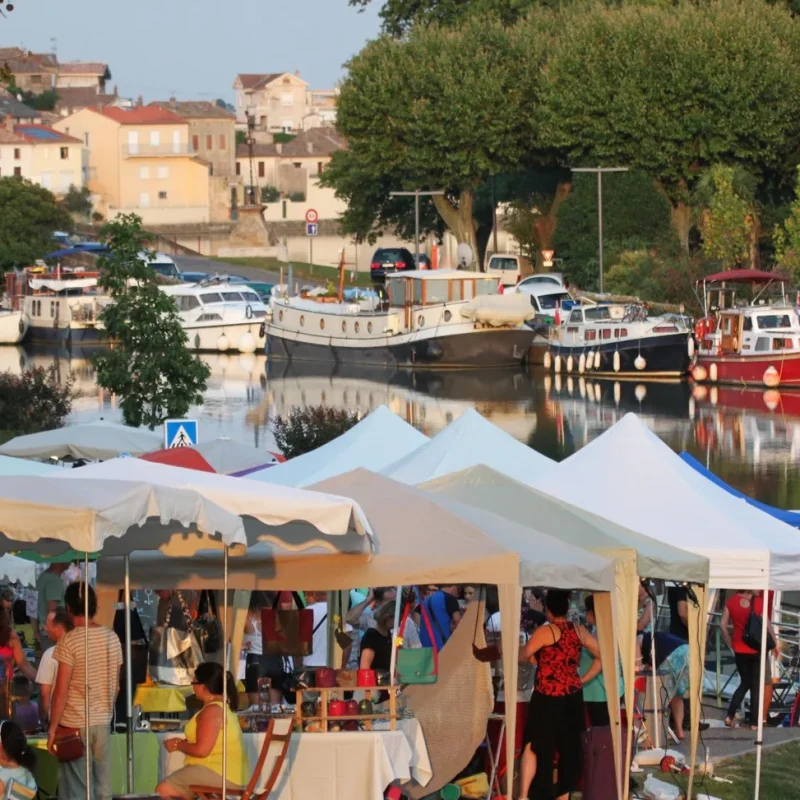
(174, 654)
(488, 653)
(67, 744)
(417, 665)
(346, 678)
(751, 635)
(287, 632)
(324, 678)
(208, 628)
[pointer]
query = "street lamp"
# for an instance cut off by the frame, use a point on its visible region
(416, 194)
(600, 171)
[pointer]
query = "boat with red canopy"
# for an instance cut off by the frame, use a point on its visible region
(750, 333)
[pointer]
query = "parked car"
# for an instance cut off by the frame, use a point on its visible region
(388, 260)
(550, 280)
(262, 289)
(423, 262)
(162, 264)
(194, 277)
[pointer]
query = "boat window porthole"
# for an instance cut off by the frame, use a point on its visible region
(420, 320)
(322, 324)
(357, 326)
(344, 330)
(447, 317)
(369, 330)
(302, 320)
(280, 317)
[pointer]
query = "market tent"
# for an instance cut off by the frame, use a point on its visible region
(789, 517)
(228, 456)
(471, 439)
(419, 539)
(14, 569)
(184, 457)
(89, 440)
(19, 466)
(634, 554)
(376, 441)
(294, 518)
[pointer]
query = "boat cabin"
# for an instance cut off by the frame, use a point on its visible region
(756, 329)
(426, 287)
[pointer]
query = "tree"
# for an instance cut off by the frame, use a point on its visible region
(33, 401)
(410, 125)
(150, 366)
(653, 88)
(787, 239)
(241, 137)
(28, 218)
(306, 429)
(78, 201)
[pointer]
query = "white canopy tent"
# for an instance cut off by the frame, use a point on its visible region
(373, 443)
(228, 456)
(471, 439)
(89, 440)
(419, 539)
(634, 555)
(19, 466)
(14, 569)
(629, 476)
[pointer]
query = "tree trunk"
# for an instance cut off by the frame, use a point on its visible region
(546, 224)
(459, 219)
(682, 222)
(755, 235)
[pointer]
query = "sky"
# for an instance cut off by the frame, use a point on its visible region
(193, 49)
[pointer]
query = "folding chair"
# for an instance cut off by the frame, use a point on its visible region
(249, 793)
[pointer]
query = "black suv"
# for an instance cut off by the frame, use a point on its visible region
(388, 260)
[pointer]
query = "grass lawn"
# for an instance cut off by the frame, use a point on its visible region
(780, 776)
(302, 271)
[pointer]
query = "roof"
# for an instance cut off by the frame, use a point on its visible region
(71, 98)
(194, 109)
(185, 457)
(140, 115)
(746, 276)
(44, 134)
(20, 60)
(10, 107)
(256, 80)
(85, 68)
(324, 142)
(8, 137)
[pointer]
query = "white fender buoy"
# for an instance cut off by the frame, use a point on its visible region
(222, 343)
(582, 388)
(570, 364)
(689, 349)
(598, 392)
(598, 360)
(771, 377)
(713, 395)
(700, 393)
(557, 364)
(617, 398)
(557, 383)
(712, 372)
(700, 373)
(548, 362)
(590, 360)
(772, 399)
(570, 385)
(247, 344)
(692, 407)
(616, 361)
(548, 385)
(640, 391)
(581, 369)
(640, 362)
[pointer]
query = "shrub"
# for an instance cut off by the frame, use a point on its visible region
(305, 429)
(270, 194)
(297, 197)
(34, 400)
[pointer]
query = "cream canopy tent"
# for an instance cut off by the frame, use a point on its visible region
(89, 440)
(467, 441)
(378, 439)
(227, 455)
(19, 466)
(419, 539)
(630, 476)
(14, 569)
(635, 555)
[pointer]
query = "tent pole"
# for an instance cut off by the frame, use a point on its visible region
(86, 742)
(396, 634)
(128, 672)
(763, 658)
(225, 672)
(656, 709)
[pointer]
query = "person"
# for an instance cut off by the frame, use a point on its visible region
(7, 599)
(748, 661)
(50, 595)
(556, 715)
(58, 624)
(362, 615)
(203, 745)
(645, 611)
(467, 594)
(258, 665)
(531, 618)
(444, 613)
(376, 646)
(678, 612)
(17, 758)
(672, 660)
(595, 697)
(11, 655)
(25, 711)
(318, 603)
(68, 701)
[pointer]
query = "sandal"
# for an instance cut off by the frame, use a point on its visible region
(730, 723)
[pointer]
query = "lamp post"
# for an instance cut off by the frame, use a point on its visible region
(600, 171)
(416, 194)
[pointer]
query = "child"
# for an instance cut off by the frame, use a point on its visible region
(25, 711)
(17, 759)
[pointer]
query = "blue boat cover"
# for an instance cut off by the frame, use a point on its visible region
(789, 517)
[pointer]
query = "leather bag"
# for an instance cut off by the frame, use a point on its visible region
(174, 654)
(287, 632)
(67, 744)
(208, 628)
(751, 635)
(417, 665)
(346, 678)
(488, 653)
(324, 678)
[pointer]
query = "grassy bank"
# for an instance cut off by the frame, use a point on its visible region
(303, 271)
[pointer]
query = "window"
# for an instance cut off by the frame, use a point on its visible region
(38, 79)
(64, 153)
(747, 324)
(238, 172)
(211, 170)
(590, 336)
(162, 195)
(17, 154)
(196, 147)
(176, 141)
(144, 199)
(320, 166)
(187, 302)
(155, 138)
(296, 165)
(596, 313)
(209, 318)
(575, 316)
(623, 332)
(223, 145)
(232, 297)
(781, 344)
(548, 301)
(762, 344)
(86, 144)
(261, 173)
(771, 321)
(209, 142)
(606, 333)
(211, 297)
(17, 172)
(250, 297)
(287, 99)
(284, 209)
(144, 174)
(163, 172)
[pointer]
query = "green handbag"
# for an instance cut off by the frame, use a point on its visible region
(417, 665)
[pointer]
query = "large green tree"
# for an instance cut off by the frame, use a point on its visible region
(672, 91)
(28, 216)
(150, 365)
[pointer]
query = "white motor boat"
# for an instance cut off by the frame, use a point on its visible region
(218, 317)
(13, 326)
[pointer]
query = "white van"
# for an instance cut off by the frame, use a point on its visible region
(510, 268)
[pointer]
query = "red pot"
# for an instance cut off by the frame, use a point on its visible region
(367, 678)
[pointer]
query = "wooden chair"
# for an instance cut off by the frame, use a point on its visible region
(249, 793)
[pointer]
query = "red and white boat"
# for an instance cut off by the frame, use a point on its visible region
(754, 342)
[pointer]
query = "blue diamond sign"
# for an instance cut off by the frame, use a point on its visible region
(180, 433)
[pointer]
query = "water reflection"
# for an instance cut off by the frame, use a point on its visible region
(749, 437)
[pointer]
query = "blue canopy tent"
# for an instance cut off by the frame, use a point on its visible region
(789, 517)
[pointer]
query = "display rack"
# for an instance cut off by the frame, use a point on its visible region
(366, 719)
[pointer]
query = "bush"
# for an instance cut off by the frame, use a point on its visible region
(283, 138)
(34, 400)
(241, 137)
(297, 197)
(306, 429)
(269, 194)
(78, 201)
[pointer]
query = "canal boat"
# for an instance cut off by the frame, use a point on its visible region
(614, 339)
(748, 341)
(430, 318)
(13, 326)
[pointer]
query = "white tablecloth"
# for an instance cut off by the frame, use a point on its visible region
(332, 766)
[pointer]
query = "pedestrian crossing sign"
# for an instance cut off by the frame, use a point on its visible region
(180, 433)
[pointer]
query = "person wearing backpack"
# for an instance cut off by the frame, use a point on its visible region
(445, 614)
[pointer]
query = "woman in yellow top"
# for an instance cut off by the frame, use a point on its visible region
(203, 743)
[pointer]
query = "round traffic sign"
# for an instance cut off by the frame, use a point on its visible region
(311, 215)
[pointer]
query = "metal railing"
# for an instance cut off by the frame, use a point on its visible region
(145, 149)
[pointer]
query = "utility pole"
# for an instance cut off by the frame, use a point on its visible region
(494, 212)
(416, 194)
(600, 171)
(251, 126)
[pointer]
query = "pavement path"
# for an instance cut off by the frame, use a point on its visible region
(201, 264)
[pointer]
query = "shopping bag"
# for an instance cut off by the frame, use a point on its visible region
(751, 635)
(417, 665)
(287, 632)
(207, 627)
(174, 654)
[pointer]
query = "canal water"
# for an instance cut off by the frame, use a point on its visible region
(750, 438)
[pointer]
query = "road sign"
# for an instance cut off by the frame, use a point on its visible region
(547, 258)
(312, 228)
(311, 215)
(180, 433)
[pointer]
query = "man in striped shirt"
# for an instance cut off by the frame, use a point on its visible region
(68, 707)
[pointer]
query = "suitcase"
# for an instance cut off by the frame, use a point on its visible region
(599, 779)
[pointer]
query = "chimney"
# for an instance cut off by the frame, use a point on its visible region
(297, 73)
(140, 101)
(279, 148)
(310, 150)
(9, 123)
(116, 93)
